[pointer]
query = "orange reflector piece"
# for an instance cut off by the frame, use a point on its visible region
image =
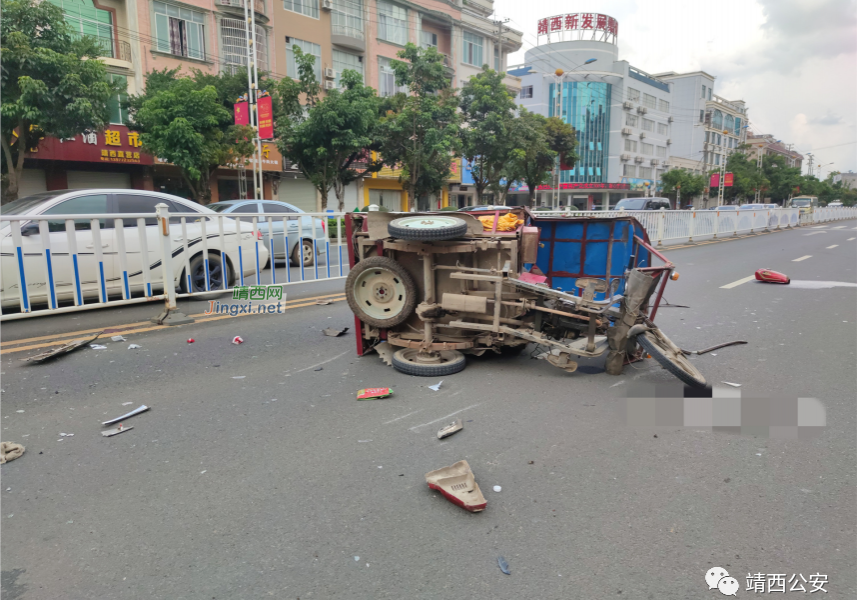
(674, 276)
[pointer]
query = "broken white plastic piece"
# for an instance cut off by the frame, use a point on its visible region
(732, 384)
(453, 427)
(134, 346)
(118, 338)
(136, 411)
(435, 387)
(116, 431)
(97, 347)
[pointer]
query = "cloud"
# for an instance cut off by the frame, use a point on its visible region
(828, 119)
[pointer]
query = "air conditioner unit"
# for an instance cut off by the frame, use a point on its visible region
(669, 141)
(627, 104)
(625, 156)
(667, 163)
(329, 85)
(638, 159)
(655, 161)
(326, 4)
(329, 73)
(669, 119)
(642, 110)
(626, 131)
(642, 135)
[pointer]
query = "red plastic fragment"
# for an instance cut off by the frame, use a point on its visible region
(769, 276)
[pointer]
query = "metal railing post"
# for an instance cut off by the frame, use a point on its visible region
(661, 228)
(692, 223)
(171, 315)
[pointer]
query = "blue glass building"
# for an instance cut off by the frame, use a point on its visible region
(585, 105)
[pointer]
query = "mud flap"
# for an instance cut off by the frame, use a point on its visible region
(638, 290)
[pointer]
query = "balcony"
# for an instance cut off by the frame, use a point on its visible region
(347, 31)
(114, 52)
(484, 7)
(512, 83)
(258, 5)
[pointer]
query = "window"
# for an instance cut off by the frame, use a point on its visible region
(663, 129)
(304, 7)
(701, 116)
(306, 48)
(346, 18)
(83, 18)
(719, 140)
(650, 101)
(646, 149)
(270, 207)
(661, 151)
(629, 170)
(663, 106)
(180, 31)
(729, 122)
(392, 23)
(630, 145)
(631, 120)
(472, 49)
(346, 60)
(645, 172)
(137, 203)
(648, 125)
(707, 134)
(234, 45)
(527, 91)
(717, 121)
(716, 159)
(428, 39)
(633, 94)
(703, 92)
(497, 57)
(114, 103)
(84, 205)
(387, 79)
(709, 93)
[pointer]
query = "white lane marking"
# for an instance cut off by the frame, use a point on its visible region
(814, 233)
(833, 246)
(403, 416)
(323, 362)
(821, 226)
(802, 258)
(841, 227)
(729, 286)
(849, 239)
(414, 428)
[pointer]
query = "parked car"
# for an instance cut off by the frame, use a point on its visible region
(485, 207)
(752, 207)
(117, 201)
(304, 229)
(643, 204)
(725, 207)
(835, 204)
(767, 206)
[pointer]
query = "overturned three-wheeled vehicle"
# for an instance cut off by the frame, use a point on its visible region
(427, 288)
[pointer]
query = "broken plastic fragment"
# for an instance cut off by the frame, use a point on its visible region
(435, 387)
(732, 384)
(330, 331)
(134, 346)
(374, 393)
(458, 485)
(453, 427)
(116, 431)
(237, 340)
(141, 409)
(497, 488)
(504, 566)
(118, 338)
(97, 347)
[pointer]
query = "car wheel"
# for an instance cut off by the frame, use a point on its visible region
(303, 250)
(216, 272)
(427, 228)
(380, 292)
(443, 362)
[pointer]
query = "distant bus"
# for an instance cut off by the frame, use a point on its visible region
(806, 204)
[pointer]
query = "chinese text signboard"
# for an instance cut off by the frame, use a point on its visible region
(116, 144)
(242, 116)
(266, 117)
(580, 23)
(727, 180)
(587, 186)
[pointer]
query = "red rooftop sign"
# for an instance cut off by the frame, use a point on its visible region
(578, 26)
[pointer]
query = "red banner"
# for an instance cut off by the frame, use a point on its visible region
(715, 180)
(266, 117)
(242, 115)
(727, 181)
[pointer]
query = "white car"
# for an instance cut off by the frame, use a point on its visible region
(119, 201)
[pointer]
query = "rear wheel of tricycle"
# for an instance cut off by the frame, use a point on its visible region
(436, 364)
(671, 357)
(380, 292)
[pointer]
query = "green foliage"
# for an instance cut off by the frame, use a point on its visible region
(691, 185)
(421, 134)
(330, 140)
(186, 122)
(488, 119)
(52, 84)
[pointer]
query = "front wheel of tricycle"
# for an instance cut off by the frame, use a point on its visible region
(436, 364)
(671, 357)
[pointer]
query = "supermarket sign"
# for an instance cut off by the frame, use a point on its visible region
(116, 144)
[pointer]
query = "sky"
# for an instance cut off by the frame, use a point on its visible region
(794, 62)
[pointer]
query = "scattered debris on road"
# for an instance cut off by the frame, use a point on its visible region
(97, 347)
(10, 451)
(374, 393)
(435, 387)
(330, 331)
(453, 427)
(65, 348)
(141, 409)
(119, 338)
(66, 435)
(190, 340)
(134, 346)
(504, 566)
(116, 431)
(497, 488)
(385, 351)
(717, 347)
(458, 485)
(323, 302)
(237, 340)
(239, 377)
(732, 384)
(769, 276)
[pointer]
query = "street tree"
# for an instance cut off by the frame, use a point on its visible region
(539, 140)
(746, 177)
(185, 121)
(487, 143)
(421, 134)
(690, 185)
(331, 139)
(52, 83)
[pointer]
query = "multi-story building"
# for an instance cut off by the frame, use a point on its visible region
(623, 116)
(767, 145)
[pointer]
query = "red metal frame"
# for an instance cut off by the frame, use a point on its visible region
(665, 271)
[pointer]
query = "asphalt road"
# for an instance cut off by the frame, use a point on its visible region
(257, 475)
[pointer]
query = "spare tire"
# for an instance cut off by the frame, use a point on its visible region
(449, 362)
(380, 292)
(432, 228)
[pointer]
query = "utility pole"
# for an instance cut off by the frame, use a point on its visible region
(809, 168)
(557, 113)
(253, 88)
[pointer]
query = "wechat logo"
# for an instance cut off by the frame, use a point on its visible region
(719, 578)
